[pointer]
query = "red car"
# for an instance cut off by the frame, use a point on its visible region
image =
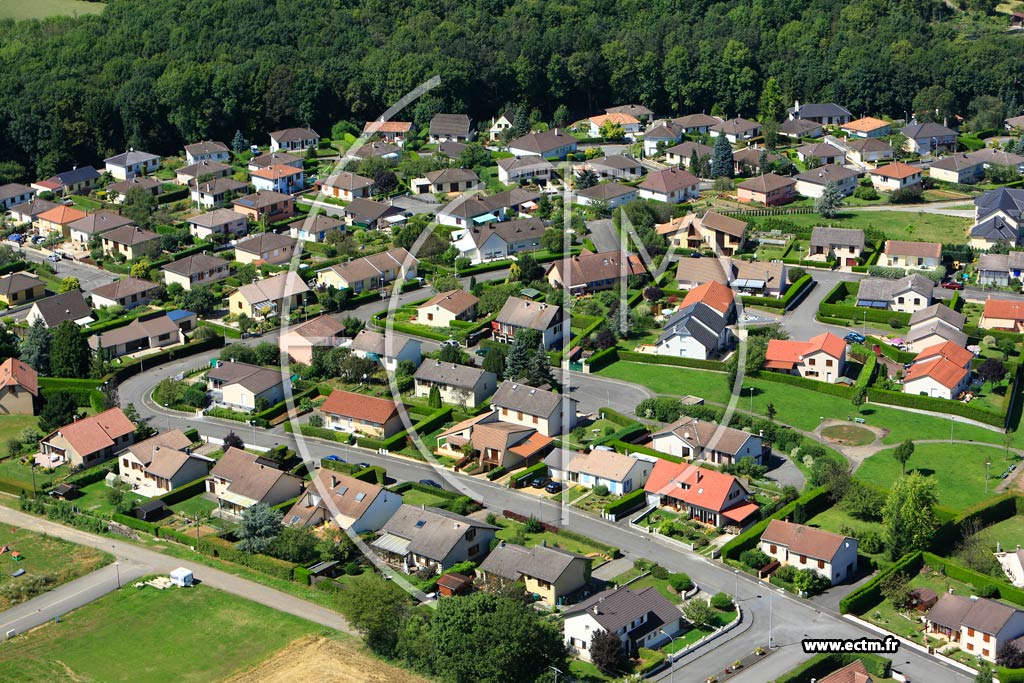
(952, 285)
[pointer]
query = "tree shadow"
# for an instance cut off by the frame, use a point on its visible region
(923, 471)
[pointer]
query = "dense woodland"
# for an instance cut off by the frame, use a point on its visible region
(153, 74)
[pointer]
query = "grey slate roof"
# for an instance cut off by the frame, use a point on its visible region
(528, 399)
(131, 158)
(253, 377)
(438, 533)
(829, 173)
(619, 607)
(837, 237)
(512, 561)
(606, 191)
(77, 175)
(529, 314)
(883, 289)
(261, 242)
(699, 321)
(197, 263)
(450, 374)
(918, 131)
(451, 125)
(212, 219)
(11, 190)
(294, 134)
(817, 110)
(67, 306)
(99, 222)
(940, 312)
(996, 229)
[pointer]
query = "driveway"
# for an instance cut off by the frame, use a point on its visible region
(417, 204)
(603, 234)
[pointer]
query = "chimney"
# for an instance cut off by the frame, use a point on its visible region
(544, 543)
(334, 481)
(595, 610)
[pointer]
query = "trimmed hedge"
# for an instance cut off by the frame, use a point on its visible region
(814, 501)
(870, 594)
(821, 665)
(626, 448)
(633, 500)
(781, 303)
(520, 479)
(374, 474)
(805, 383)
(616, 417)
(92, 475)
(221, 329)
(611, 551)
(1004, 590)
(603, 358)
(84, 391)
(301, 575)
(134, 523)
(936, 405)
(867, 373)
(132, 368)
(857, 314)
(323, 433)
(189, 490)
(496, 473)
(13, 267)
(651, 359)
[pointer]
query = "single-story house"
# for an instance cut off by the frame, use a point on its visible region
(388, 350)
(822, 357)
(823, 152)
(664, 134)
(866, 127)
(868, 151)
(696, 123)
(294, 139)
(990, 156)
(895, 176)
(1002, 314)
(833, 556)
(768, 189)
(736, 129)
(630, 124)
(13, 194)
(320, 332)
(978, 626)
(19, 288)
(908, 294)
(619, 473)
(88, 441)
(207, 170)
(244, 386)
(682, 154)
(131, 164)
(611, 194)
(57, 220)
(469, 210)
(265, 247)
(138, 335)
(118, 192)
(696, 439)
(826, 113)
(550, 144)
(161, 464)
(801, 128)
(347, 411)
(672, 186)
(196, 270)
(589, 272)
(218, 222)
(615, 167)
(812, 183)
(999, 269)
(274, 159)
(911, 255)
(370, 272)
(54, 310)
(375, 150)
(394, 132)
(426, 538)
(441, 309)
(271, 296)
(241, 479)
(218, 192)
(958, 168)
(343, 502)
(446, 180)
(79, 180)
(527, 169)
(26, 212)
(366, 213)
(460, 385)
(128, 292)
(314, 228)
(207, 150)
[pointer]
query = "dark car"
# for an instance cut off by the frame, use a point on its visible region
(482, 351)
(431, 483)
(335, 458)
(362, 465)
(694, 254)
(553, 487)
(854, 338)
(539, 482)
(952, 284)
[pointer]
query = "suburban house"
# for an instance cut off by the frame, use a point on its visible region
(195, 271)
(19, 288)
(89, 440)
(619, 473)
(118, 192)
(833, 556)
(822, 357)
(294, 139)
(589, 272)
(866, 127)
(664, 134)
(19, 388)
(217, 192)
(639, 111)
(83, 229)
(346, 186)
(207, 170)
(812, 183)
(527, 169)
(801, 128)
(925, 138)
(1012, 562)
(492, 443)
(613, 195)
(418, 538)
(322, 332)
(128, 292)
(940, 371)
(907, 295)
(26, 212)
(274, 206)
(768, 189)
(551, 144)
(736, 129)
(958, 168)
(551, 574)
(444, 308)
(131, 164)
(346, 411)
(343, 502)
(460, 385)
(748, 160)
(854, 672)
(696, 123)
(997, 218)
(218, 222)
(314, 228)
(707, 496)
(445, 180)
(79, 180)
(722, 234)
(274, 159)
(672, 186)
(895, 176)
(389, 350)
(241, 479)
(696, 439)
(682, 154)
(934, 325)
(868, 151)
(394, 132)
(138, 335)
(161, 464)
(131, 241)
(640, 618)
(370, 272)
(978, 626)
(693, 331)
(630, 124)
(827, 114)
(477, 209)
(822, 151)
(282, 179)
(518, 314)
(54, 310)
(56, 220)
(1002, 314)
(244, 386)
(456, 127)
(537, 408)
(615, 167)
(275, 295)
(911, 255)
(990, 156)
(207, 150)
(265, 247)
(366, 213)
(13, 194)
(715, 295)
(501, 123)
(999, 269)
(375, 150)
(454, 150)
(845, 245)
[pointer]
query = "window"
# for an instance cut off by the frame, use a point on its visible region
(471, 534)
(473, 550)
(970, 632)
(970, 646)
(773, 549)
(519, 415)
(811, 361)
(535, 420)
(803, 559)
(821, 564)
(984, 636)
(984, 652)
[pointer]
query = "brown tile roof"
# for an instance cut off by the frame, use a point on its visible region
(512, 562)
(696, 121)
(829, 173)
(271, 158)
(253, 377)
(701, 271)
(345, 180)
(449, 374)
(220, 186)
(635, 110)
(197, 263)
(530, 314)
(804, 540)
(668, 180)
(294, 134)
(146, 451)
(606, 191)
(15, 373)
(274, 288)
(204, 167)
(768, 182)
(686, 149)
(604, 464)
(736, 126)
(864, 125)
(260, 199)
(130, 235)
(359, 406)
(854, 672)
(135, 330)
(265, 241)
(369, 341)
(453, 125)
(92, 434)
(897, 169)
(276, 172)
(319, 328)
(348, 496)
(60, 307)
(206, 147)
(722, 223)
(703, 434)
(588, 267)
(923, 249)
(211, 219)
(869, 145)
(372, 127)
(248, 477)
(531, 401)
(15, 283)
(456, 301)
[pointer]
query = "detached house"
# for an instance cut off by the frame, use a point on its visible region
(19, 288)
(717, 296)
(612, 195)
(682, 154)
(388, 350)
(833, 556)
(812, 183)
(522, 170)
(294, 139)
(83, 229)
(958, 168)
(696, 123)
(366, 213)
(477, 209)
(207, 150)
(493, 443)
(343, 502)
(551, 144)
(79, 180)
(207, 170)
(138, 335)
(934, 325)
(460, 385)
(282, 179)
(867, 127)
(445, 180)
(346, 411)
(271, 296)
(825, 154)
(430, 538)
(457, 127)
(375, 150)
(620, 473)
(321, 332)
(549, 413)
(822, 357)
(274, 159)
(693, 331)
(844, 245)
(672, 186)
(26, 212)
(128, 293)
(895, 176)
(979, 626)
(907, 295)
(370, 272)
(868, 151)
(161, 464)
(240, 480)
(827, 114)
(590, 272)
(925, 138)
(54, 310)
(501, 123)
(19, 388)
(736, 129)
(696, 439)
(274, 206)
(444, 308)
(314, 228)
(118, 192)
(630, 124)
(56, 220)
(801, 128)
(195, 271)
(244, 386)
(13, 194)
(518, 314)
(132, 164)
(723, 234)
(768, 189)
(88, 441)
(616, 167)
(131, 241)
(346, 186)
(394, 132)
(999, 269)
(911, 255)
(663, 134)
(940, 371)
(218, 192)
(997, 218)
(640, 618)
(218, 222)
(550, 573)
(266, 247)
(707, 496)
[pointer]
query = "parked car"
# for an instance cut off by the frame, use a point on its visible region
(431, 483)
(952, 284)
(362, 465)
(482, 351)
(53, 258)
(335, 458)
(15, 237)
(553, 487)
(38, 239)
(855, 338)
(450, 342)
(540, 482)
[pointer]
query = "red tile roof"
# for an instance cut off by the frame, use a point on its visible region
(15, 373)
(713, 294)
(943, 371)
(92, 434)
(1004, 309)
(360, 407)
(691, 484)
(947, 350)
(897, 169)
(804, 540)
(785, 353)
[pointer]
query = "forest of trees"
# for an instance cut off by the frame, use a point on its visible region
(156, 74)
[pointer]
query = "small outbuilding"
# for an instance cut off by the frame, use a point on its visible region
(182, 577)
(152, 510)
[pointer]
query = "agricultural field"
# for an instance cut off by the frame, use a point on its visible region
(40, 9)
(48, 562)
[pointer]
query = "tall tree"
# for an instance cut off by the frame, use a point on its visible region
(377, 609)
(69, 351)
(35, 347)
(138, 205)
(494, 361)
(992, 371)
(771, 106)
(908, 517)
(260, 526)
(721, 158)
(517, 362)
(58, 410)
(830, 201)
(902, 454)
(239, 144)
(606, 651)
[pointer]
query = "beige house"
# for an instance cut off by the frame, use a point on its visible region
(218, 222)
(320, 332)
(20, 288)
(343, 502)
(911, 255)
(265, 247)
(57, 220)
(907, 295)
(88, 441)
(830, 555)
(933, 325)
(161, 464)
(346, 186)
(84, 229)
(244, 386)
(845, 245)
(1002, 314)
(138, 335)
(939, 371)
(131, 241)
(240, 480)
(19, 388)
(128, 292)
(347, 411)
(895, 176)
(547, 572)
(195, 271)
(272, 296)
(446, 181)
(822, 357)
(417, 538)
(492, 443)
(978, 626)
(549, 413)
(445, 307)
(370, 272)
(460, 385)
(207, 169)
(387, 349)
(768, 189)
(723, 234)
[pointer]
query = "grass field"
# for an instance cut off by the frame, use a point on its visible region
(43, 556)
(511, 529)
(1008, 533)
(417, 498)
(40, 9)
(199, 634)
(834, 519)
(959, 472)
(11, 426)
(666, 379)
(926, 227)
(848, 435)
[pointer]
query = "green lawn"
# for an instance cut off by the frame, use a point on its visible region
(909, 626)
(11, 426)
(695, 634)
(959, 471)
(1007, 533)
(513, 532)
(849, 435)
(667, 379)
(43, 557)
(835, 519)
(925, 227)
(40, 9)
(198, 634)
(94, 498)
(418, 498)
(195, 505)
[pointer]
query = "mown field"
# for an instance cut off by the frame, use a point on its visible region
(40, 9)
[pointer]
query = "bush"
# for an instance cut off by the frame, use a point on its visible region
(659, 572)
(601, 490)
(680, 582)
(533, 525)
(871, 543)
(866, 193)
(754, 558)
(722, 602)
(986, 590)
(353, 568)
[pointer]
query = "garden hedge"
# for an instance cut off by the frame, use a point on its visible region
(92, 475)
(184, 492)
(821, 665)
(633, 500)
(496, 473)
(870, 594)
(814, 501)
(82, 390)
(1005, 590)
(615, 416)
(13, 267)
(132, 368)
(135, 523)
(323, 433)
(935, 405)
(651, 359)
(520, 479)
(627, 448)
(811, 384)
(221, 329)
(301, 575)
(603, 358)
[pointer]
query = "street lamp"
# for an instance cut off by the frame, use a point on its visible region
(736, 590)
(672, 641)
(751, 401)
(253, 423)
(988, 466)
(117, 568)
(821, 419)
(556, 670)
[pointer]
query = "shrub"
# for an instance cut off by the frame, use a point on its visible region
(659, 572)
(986, 590)
(601, 490)
(754, 558)
(680, 582)
(871, 543)
(353, 569)
(721, 601)
(533, 525)
(867, 193)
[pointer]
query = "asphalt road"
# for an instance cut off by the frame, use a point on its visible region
(89, 277)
